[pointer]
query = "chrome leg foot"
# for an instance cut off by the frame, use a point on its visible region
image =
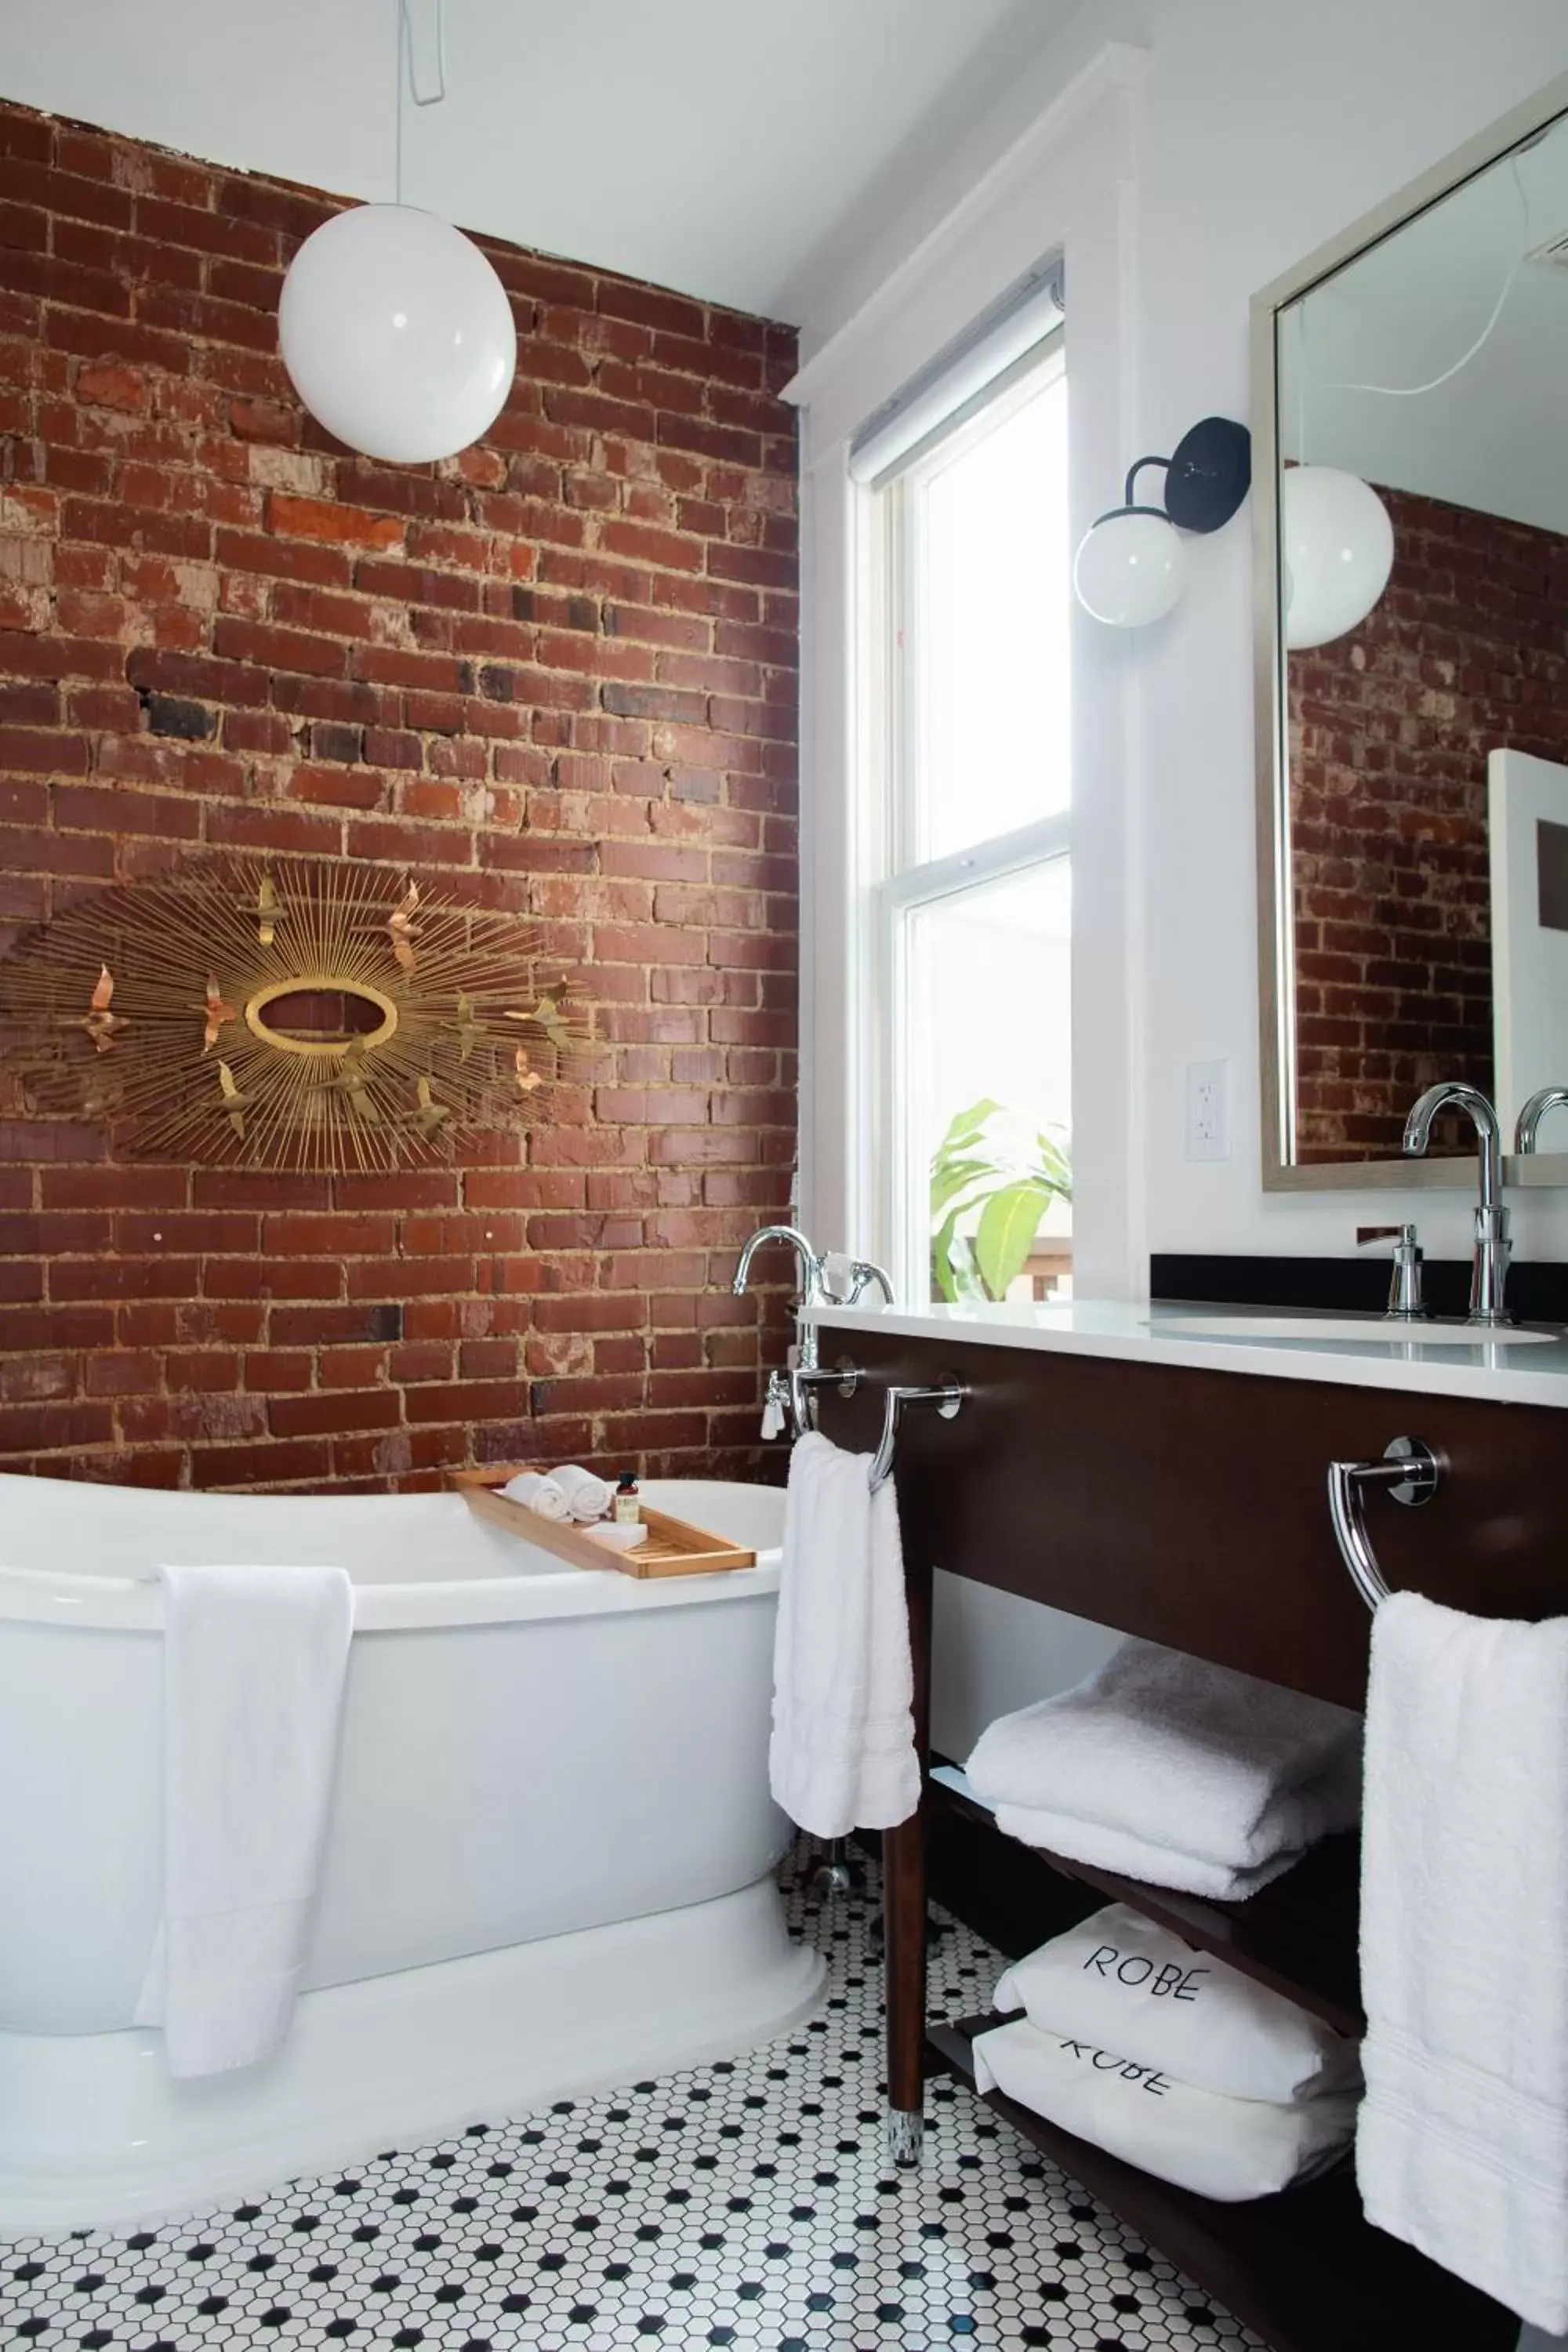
(835, 1875)
(905, 2132)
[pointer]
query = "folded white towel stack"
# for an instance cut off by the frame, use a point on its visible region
(538, 1491)
(254, 1666)
(1123, 1983)
(587, 1496)
(1166, 1768)
(1221, 2147)
(843, 1754)
(1462, 2149)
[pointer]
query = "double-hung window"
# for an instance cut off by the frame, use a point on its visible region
(971, 907)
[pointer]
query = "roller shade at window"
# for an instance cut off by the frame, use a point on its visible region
(939, 395)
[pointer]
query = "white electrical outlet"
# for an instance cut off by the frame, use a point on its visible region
(1208, 1111)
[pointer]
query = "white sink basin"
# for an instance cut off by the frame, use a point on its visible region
(1332, 1331)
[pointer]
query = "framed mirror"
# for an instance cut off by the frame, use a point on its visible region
(1410, 386)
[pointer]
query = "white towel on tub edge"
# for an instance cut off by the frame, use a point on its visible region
(254, 1661)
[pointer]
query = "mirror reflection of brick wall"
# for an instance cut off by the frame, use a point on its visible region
(1390, 729)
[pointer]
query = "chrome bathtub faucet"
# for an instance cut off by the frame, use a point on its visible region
(1493, 1248)
(787, 1402)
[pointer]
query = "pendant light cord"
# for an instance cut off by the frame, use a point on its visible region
(1414, 390)
(406, 73)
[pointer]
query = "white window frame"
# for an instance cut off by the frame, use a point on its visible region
(908, 882)
(1064, 186)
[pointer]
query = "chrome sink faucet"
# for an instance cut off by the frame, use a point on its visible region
(1493, 1249)
(1528, 1130)
(1406, 1303)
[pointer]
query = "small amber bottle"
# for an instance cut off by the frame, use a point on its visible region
(628, 1502)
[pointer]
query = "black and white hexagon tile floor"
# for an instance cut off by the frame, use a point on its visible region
(745, 2204)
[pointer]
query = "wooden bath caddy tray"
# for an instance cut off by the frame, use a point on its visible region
(672, 1546)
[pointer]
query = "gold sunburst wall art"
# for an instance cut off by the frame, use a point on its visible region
(305, 1014)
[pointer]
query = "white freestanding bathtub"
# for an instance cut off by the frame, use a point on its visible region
(549, 1866)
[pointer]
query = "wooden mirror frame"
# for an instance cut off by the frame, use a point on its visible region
(1277, 1041)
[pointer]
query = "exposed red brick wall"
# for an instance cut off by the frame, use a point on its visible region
(557, 672)
(1390, 730)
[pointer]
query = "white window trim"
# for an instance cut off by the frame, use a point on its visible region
(1067, 184)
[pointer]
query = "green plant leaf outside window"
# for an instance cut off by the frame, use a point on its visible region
(991, 1180)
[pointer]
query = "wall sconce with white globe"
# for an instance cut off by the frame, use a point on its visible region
(1336, 552)
(396, 331)
(1132, 566)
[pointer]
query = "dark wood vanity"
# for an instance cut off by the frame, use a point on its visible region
(1187, 1505)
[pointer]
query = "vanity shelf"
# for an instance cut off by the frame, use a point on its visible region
(1177, 1491)
(1302, 2268)
(1298, 1936)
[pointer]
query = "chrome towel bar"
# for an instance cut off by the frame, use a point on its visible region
(801, 1379)
(1409, 1473)
(946, 1399)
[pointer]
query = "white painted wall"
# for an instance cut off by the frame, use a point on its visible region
(1261, 131)
(1268, 130)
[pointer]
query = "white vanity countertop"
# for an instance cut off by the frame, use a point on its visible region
(1504, 1374)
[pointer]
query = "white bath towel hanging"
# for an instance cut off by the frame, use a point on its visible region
(1124, 1982)
(1170, 1754)
(1462, 2149)
(254, 1661)
(842, 1755)
(1230, 2149)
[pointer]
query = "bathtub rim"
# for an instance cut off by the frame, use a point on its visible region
(135, 1604)
(542, 1588)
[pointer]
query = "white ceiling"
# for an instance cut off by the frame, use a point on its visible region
(710, 145)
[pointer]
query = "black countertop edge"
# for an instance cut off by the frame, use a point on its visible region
(1537, 1290)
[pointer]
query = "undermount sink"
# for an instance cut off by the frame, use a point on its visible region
(1330, 1330)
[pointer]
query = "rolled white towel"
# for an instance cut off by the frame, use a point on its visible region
(537, 1493)
(1229, 2149)
(587, 1498)
(1123, 1983)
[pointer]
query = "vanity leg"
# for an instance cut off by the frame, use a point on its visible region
(904, 1914)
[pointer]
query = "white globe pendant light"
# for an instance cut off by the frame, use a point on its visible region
(1336, 553)
(398, 333)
